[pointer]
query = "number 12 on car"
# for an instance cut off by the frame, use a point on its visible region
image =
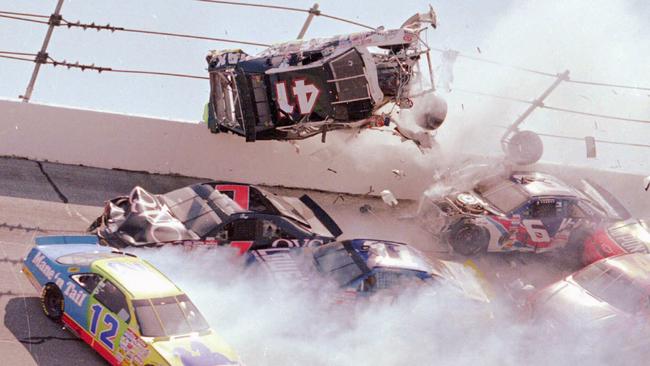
(106, 336)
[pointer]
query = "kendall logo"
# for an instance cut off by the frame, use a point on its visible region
(46, 270)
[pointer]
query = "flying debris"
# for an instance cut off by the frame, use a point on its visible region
(389, 198)
(298, 89)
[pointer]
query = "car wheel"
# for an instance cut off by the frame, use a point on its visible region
(469, 239)
(52, 302)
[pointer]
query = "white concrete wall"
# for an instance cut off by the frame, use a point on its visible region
(349, 162)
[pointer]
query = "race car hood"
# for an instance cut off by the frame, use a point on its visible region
(631, 235)
(142, 219)
(320, 222)
(195, 350)
(566, 304)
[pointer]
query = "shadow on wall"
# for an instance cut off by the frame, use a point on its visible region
(48, 343)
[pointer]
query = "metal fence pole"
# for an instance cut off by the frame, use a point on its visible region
(313, 11)
(41, 57)
(539, 102)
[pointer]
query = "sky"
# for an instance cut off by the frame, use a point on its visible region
(596, 40)
(171, 97)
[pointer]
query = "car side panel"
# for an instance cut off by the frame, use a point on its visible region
(599, 246)
(44, 270)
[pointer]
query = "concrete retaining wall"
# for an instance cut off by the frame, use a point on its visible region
(349, 162)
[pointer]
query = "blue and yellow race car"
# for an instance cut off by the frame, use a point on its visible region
(122, 306)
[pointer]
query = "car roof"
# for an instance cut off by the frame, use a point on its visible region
(136, 276)
(537, 184)
(390, 254)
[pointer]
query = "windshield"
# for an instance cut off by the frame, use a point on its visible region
(286, 209)
(386, 278)
(168, 316)
(336, 262)
(504, 195)
(612, 285)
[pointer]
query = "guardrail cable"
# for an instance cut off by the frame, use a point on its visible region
(542, 105)
(287, 8)
(544, 73)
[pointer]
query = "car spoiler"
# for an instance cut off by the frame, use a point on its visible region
(66, 239)
(610, 204)
(322, 216)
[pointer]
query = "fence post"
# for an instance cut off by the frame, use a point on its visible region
(313, 11)
(41, 57)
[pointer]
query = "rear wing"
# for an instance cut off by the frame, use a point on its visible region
(66, 239)
(322, 216)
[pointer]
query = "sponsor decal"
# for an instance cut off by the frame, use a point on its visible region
(229, 58)
(133, 348)
(294, 243)
(305, 95)
(40, 262)
(68, 287)
(200, 354)
(73, 293)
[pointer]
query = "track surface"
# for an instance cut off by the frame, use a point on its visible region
(45, 199)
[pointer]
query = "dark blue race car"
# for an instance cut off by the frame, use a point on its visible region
(363, 267)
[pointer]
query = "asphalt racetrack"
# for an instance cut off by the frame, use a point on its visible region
(45, 199)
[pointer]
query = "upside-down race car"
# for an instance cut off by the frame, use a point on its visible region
(535, 212)
(123, 307)
(298, 89)
(214, 213)
(361, 268)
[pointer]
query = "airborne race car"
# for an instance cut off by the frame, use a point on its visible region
(214, 213)
(535, 212)
(298, 89)
(123, 307)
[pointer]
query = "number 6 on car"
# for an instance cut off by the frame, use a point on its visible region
(536, 230)
(122, 306)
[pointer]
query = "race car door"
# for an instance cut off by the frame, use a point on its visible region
(239, 233)
(108, 319)
(543, 220)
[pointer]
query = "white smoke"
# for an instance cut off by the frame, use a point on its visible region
(272, 324)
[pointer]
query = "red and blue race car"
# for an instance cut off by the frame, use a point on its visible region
(536, 212)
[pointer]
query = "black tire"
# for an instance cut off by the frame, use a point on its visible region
(52, 302)
(468, 239)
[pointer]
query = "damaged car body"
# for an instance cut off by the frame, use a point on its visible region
(608, 297)
(214, 213)
(302, 88)
(363, 268)
(536, 212)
